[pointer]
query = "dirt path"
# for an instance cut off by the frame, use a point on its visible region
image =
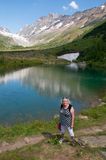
(84, 134)
(4, 146)
(94, 141)
(91, 130)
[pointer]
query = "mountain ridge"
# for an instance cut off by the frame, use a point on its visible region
(56, 29)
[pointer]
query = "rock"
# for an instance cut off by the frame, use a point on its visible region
(91, 130)
(20, 143)
(103, 153)
(94, 142)
(102, 103)
(83, 117)
(100, 100)
(27, 140)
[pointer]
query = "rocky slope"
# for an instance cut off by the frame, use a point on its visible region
(55, 29)
(15, 39)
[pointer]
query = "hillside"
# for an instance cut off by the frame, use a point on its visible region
(5, 42)
(53, 29)
(92, 46)
(89, 40)
(95, 42)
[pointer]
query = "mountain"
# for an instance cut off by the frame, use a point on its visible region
(5, 41)
(95, 42)
(54, 30)
(3, 29)
(91, 46)
(12, 39)
(57, 29)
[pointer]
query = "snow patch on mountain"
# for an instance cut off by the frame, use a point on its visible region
(59, 25)
(20, 40)
(69, 57)
(82, 26)
(70, 24)
(102, 7)
(43, 28)
(55, 26)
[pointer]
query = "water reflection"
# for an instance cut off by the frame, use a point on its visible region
(57, 81)
(34, 87)
(17, 75)
(73, 66)
(76, 66)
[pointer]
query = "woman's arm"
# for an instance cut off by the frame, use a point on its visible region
(73, 117)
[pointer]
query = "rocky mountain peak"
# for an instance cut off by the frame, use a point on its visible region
(56, 26)
(50, 16)
(4, 29)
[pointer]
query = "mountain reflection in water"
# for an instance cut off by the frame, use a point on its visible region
(48, 84)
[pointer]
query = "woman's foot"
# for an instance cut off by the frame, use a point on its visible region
(73, 141)
(61, 140)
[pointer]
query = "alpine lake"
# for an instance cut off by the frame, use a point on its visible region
(35, 93)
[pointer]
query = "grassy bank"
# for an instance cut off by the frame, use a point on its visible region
(91, 45)
(92, 48)
(8, 62)
(96, 116)
(47, 149)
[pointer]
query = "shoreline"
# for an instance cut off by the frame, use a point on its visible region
(26, 140)
(37, 126)
(32, 57)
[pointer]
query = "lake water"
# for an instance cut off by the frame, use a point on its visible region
(35, 93)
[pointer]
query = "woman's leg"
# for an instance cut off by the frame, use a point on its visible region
(62, 131)
(71, 133)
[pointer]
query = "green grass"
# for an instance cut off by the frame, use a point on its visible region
(5, 42)
(9, 62)
(104, 99)
(45, 151)
(68, 35)
(96, 116)
(92, 48)
(24, 129)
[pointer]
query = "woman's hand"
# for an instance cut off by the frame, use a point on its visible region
(72, 126)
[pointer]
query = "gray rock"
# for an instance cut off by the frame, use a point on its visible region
(83, 117)
(103, 153)
(27, 140)
(94, 141)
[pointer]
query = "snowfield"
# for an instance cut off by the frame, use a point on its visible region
(20, 40)
(69, 57)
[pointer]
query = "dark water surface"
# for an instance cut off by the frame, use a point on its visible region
(35, 93)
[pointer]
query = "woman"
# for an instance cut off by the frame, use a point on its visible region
(66, 119)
